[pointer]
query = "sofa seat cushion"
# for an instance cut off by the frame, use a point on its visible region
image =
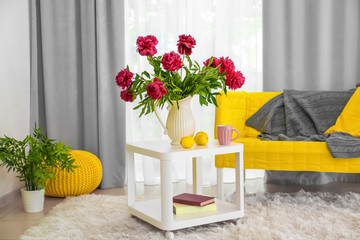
(288, 156)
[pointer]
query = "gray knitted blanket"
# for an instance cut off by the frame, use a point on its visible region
(305, 116)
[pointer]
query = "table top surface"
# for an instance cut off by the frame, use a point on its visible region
(163, 149)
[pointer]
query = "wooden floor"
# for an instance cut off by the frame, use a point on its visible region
(14, 221)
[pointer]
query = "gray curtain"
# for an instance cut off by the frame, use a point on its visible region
(77, 47)
(311, 45)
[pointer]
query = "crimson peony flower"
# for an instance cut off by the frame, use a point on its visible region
(161, 87)
(146, 45)
(123, 79)
(214, 63)
(155, 89)
(234, 79)
(127, 95)
(185, 44)
(171, 61)
(227, 65)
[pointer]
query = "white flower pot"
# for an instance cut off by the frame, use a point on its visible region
(180, 121)
(33, 200)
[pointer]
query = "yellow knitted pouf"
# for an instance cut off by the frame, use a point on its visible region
(83, 180)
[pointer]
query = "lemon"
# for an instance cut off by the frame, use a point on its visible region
(201, 138)
(187, 142)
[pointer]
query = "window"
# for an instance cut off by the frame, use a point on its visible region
(221, 28)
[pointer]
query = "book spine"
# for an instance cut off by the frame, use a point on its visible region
(187, 202)
(194, 209)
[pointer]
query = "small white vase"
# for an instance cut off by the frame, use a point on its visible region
(180, 121)
(33, 201)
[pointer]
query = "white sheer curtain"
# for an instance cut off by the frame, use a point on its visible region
(221, 28)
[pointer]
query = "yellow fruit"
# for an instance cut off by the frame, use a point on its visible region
(201, 138)
(187, 142)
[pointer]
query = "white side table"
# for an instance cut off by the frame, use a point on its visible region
(159, 212)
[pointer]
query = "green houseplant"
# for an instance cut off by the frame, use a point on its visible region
(36, 159)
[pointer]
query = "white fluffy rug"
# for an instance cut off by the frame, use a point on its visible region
(301, 215)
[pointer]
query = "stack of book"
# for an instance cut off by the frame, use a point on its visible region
(193, 203)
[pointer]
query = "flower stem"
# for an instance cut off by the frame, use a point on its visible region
(182, 67)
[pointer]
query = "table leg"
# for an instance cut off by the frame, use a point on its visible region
(169, 235)
(197, 175)
(239, 168)
(131, 187)
(220, 183)
(166, 194)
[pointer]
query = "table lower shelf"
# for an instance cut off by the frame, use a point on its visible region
(150, 211)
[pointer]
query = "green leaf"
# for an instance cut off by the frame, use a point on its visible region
(189, 60)
(142, 111)
(210, 61)
(146, 74)
(138, 106)
(202, 100)
(214, 100)
(197, 65)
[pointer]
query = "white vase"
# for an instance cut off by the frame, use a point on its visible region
(180, 121)
(33, 201)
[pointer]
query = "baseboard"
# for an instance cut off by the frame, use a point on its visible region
(10, 197)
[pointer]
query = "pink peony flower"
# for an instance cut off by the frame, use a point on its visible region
(127, 95)
(227, 65)
(171, 61)
(161, 87)
(234, 80)
(123, 79)
(214, 63)
(185, 44)
(146, 45)
(155, 89)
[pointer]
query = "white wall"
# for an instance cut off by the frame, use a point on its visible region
(14, 78)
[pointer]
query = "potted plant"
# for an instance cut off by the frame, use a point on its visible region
(36, 159)
(175, 80)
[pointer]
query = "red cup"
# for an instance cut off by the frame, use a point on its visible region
(224, 133)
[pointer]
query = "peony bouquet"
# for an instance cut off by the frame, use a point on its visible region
(173, 79)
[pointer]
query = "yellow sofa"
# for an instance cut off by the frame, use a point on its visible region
(236, 107)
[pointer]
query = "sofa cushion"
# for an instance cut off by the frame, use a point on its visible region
(231, 111)
(235, 107)
(349, 119)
